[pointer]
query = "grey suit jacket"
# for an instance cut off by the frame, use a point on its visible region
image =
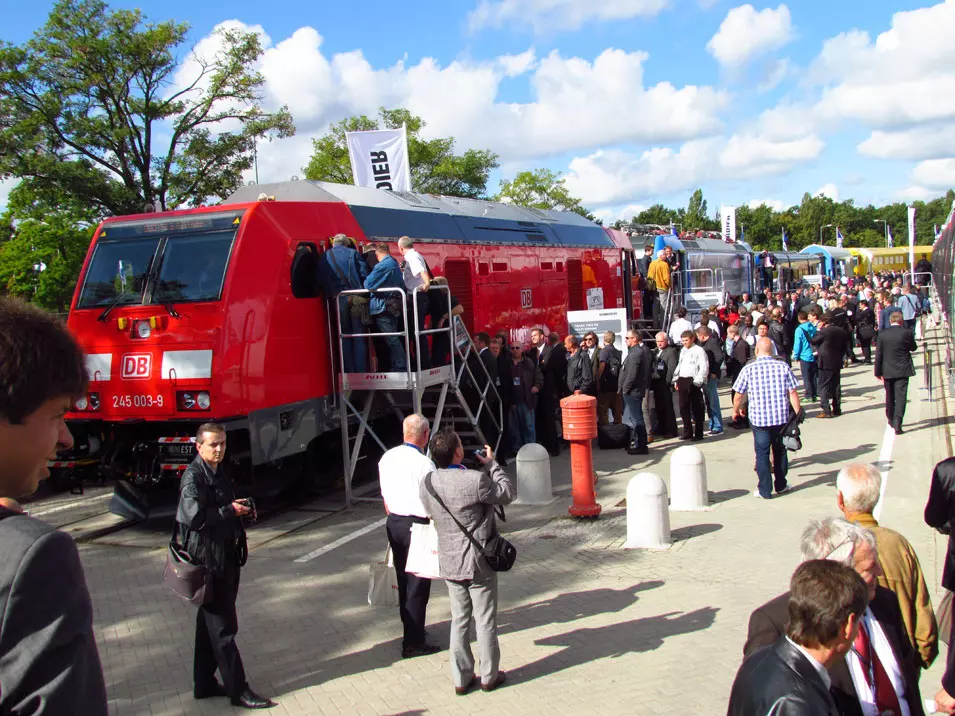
(470, 495)
(48, 658)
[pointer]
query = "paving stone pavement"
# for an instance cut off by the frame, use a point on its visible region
(586, 626)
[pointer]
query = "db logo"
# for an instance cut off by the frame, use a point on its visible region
(137, 366)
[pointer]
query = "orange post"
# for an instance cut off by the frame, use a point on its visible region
(579, 414)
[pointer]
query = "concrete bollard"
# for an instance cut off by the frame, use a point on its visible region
(688, 479)
(648, 519)
(533, 475)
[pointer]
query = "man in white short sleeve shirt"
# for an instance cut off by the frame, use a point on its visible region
(416, 274)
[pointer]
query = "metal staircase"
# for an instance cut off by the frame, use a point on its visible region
(459, 396)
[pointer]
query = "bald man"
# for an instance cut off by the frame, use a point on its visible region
(771, 390)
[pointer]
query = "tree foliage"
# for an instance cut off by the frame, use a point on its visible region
(435, 168)
(541, 189)
(761, 226)
(97, 106)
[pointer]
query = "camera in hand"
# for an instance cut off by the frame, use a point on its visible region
(250, 503)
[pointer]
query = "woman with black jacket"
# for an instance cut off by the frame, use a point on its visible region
(865, 329)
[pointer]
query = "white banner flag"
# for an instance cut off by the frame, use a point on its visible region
(728, 215)
(912, 238)
(380, 159)
(888, 236)
(839, 238)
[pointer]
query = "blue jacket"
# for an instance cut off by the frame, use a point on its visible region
(802, 350)
(884, 316)
(386, 274)
(348, 263)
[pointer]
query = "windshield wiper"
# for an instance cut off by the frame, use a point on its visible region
(106, 311)
(170, 308)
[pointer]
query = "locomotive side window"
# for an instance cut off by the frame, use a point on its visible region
(193, 267)
(304, 272)
(118, 272)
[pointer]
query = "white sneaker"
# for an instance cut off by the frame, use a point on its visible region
(788, 488)
(757, 495)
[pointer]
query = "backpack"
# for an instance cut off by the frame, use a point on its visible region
(609, 379)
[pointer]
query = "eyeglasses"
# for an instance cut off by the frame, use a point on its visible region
(515, 348)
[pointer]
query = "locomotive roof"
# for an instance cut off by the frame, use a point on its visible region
(388, 215)
(832, 252)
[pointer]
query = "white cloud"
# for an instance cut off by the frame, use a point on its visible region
(774, 204)
(746, 32)
(830, 190)
(566, 111)
(549, 15)
(6, 186)
(516, 65)
(774, 74)
(920, 143)
(613, 176)
(906, 76)
(916, 193)
(935, 173)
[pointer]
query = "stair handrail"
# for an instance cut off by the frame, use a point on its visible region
(371, 334)
(463, 345)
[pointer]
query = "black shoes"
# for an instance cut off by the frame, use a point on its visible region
(213, 691)
(410, 652)
(248, 699)
(898, 430)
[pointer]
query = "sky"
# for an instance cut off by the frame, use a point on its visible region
(634, 101)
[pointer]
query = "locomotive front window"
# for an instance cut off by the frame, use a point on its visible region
(118, 272)
(193, 268)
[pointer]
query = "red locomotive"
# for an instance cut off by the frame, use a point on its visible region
(214, 314)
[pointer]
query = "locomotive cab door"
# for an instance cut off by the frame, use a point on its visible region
(628, 272)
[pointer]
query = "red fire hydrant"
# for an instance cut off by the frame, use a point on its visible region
(579, 415)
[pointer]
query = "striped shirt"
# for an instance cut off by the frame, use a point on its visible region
(767, 383)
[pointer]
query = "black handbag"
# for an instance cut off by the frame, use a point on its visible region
(499, 554)
(185, 576)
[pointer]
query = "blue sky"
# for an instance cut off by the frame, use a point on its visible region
(636, 101)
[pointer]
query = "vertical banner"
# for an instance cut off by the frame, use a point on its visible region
(379, 159)
(839, 238)
(888, 236)
(912, 239)
(785, 242)
(728, 216)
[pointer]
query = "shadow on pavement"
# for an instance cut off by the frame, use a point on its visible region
(725, 495)
(832, 457)
(589, 644)
(685, 533)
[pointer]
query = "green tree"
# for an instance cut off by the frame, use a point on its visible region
(697, 216)
(541, 189)
(94, 107)
(658, 214)
(435, 168)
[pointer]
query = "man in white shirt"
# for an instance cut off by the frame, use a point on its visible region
(679, 326)
(706, 319)
(401, 471)
(416, 275)
(692, 371)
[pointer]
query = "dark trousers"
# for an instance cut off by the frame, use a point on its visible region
(830, 386)
(216, 627)
(413, 591)
(866, 344)
(766, 440)
(546, 427)
(850, 345)
(767, 276)
(663, 400)
(810, 378)
(896, 393)
(390, 349)
(691, 405)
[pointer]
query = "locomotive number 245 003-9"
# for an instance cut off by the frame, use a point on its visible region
(137, 401)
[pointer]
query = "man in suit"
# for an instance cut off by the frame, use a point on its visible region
(893, 367)
(482, 341)
(940, 514)
(341, 268)
(831, 343)
(464, 501)
(791, 677)
(209, 527)
(634, 379)
(580, 372)
(50, 665)
(663, 366)
(858, 487)
(544, 356)
(894, 665)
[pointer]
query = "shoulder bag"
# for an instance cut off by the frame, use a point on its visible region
(498, 552)
(186, 576)
(358, 306)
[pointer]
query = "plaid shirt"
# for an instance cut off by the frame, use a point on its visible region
(767, 382)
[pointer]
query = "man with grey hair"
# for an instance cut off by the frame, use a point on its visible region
(881, 671)
(417, 275)
(857, 492)
(401, 471)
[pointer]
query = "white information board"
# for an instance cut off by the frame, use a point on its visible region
(613, 319)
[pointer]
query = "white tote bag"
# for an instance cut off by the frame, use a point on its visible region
(423, 552)
(383, 583)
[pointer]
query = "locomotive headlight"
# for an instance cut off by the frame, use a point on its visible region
(193, 400)
(203, 401)
(82, 403)
(94, 401)
(143, 329)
